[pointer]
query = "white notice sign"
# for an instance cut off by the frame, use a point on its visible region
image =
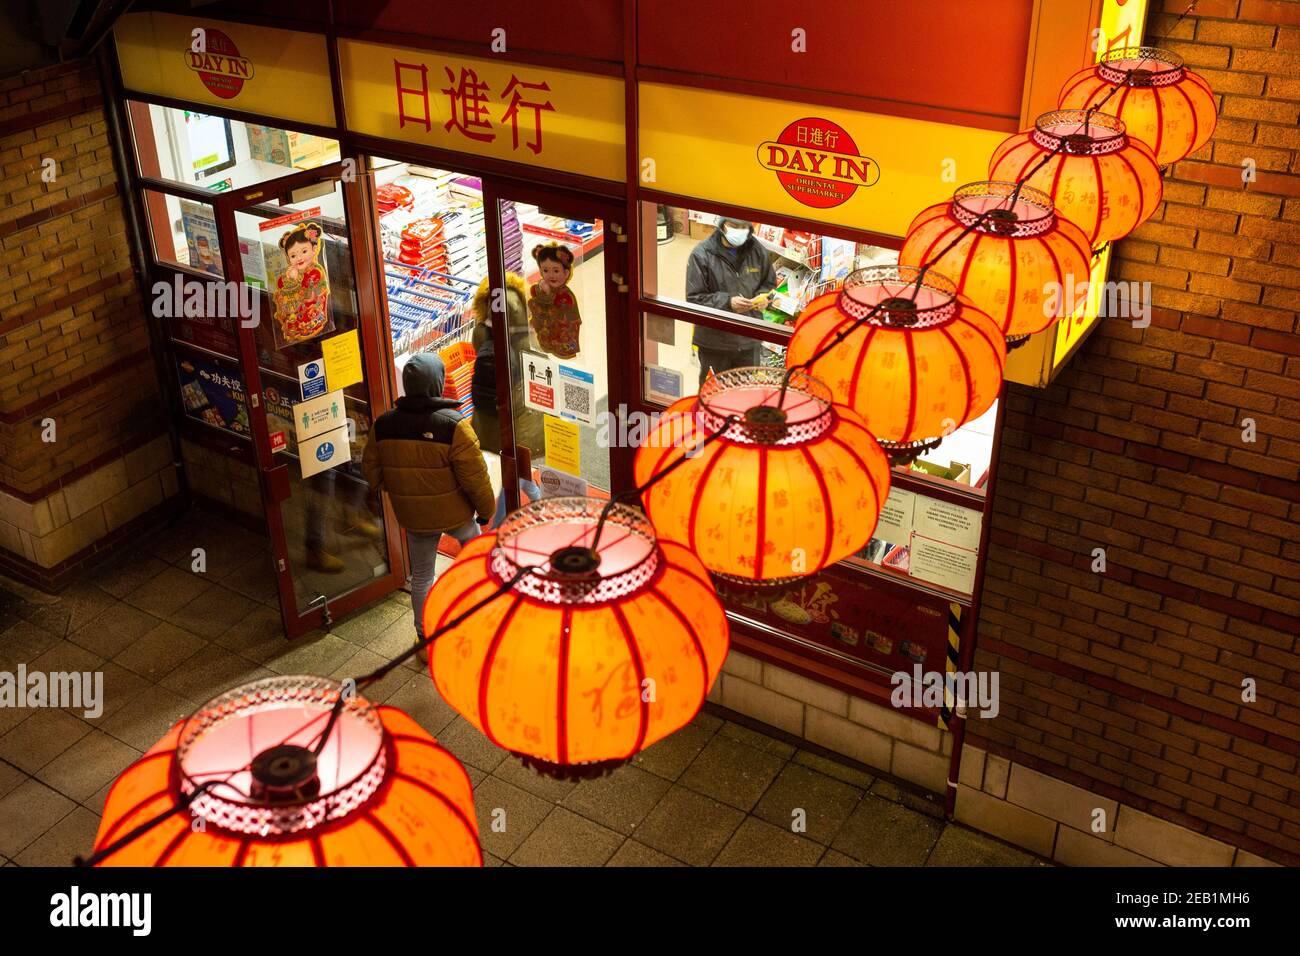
(324, 451)
(948, 522)
(317, 415)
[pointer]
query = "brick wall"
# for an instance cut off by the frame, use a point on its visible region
(74, 343)
(1129, 683)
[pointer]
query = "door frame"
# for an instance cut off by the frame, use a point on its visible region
(611, 213)
(273, 475)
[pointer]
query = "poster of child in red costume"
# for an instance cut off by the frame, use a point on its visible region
(552, 306)
(299, 286)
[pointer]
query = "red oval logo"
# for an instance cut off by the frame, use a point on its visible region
(818, 163)
(220, 67)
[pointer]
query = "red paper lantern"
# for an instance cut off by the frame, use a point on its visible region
(923, 365)
(380, 793)
(1009, 264)
(1099, 178)
(793, 484)
(599, 652)
(1162, 103)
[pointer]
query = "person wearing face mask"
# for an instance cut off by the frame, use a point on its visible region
(730, 271)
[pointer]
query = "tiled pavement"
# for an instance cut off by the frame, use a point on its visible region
(715, 793)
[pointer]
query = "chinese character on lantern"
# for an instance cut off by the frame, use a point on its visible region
(421, 91)
(517, 100)
(469, 98)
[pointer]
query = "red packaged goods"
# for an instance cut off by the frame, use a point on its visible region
(392, 197)
(422, 230)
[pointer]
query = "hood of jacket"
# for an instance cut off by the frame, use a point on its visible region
(423, 376)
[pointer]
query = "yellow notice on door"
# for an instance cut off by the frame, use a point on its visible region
(342, 354)
(563, 449)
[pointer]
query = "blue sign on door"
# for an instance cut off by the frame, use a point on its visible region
(312, 378)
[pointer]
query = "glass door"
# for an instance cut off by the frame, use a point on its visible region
(559, 321)
(309, 360)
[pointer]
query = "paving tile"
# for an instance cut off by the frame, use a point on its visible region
(566, 839)
(364, 662)
(931, 804)
(394, 640)
(707, 721)
(168, 592)
(834, 768)
(121, 686)
(506, 815)
(421, 700)
(836, 858)
(28, 811)
(66, 657)
(314, 653)
(23, 642)
(619, 800)
(632, 853)
(211, 671)
(88, 766)
(959, 846)
(468, 744)
(732, 772)
(127, 572)
(757, 843)
(40, 738)
(213, 612)
(71, 837)
(826, 803)
(513, 771)
(689, 826)
(79, 604)
(10, 777)
(670, 757)
(258, 636)
(361, 626)
(144, 720)
(254, 578)
(117, 628)
(884, 833)
(758, 741)
(160, 651)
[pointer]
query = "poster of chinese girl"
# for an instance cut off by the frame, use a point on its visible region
(552, 306)
(300, 291)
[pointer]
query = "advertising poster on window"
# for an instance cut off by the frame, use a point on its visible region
(213, 393)
(298, 280)
(200, 230)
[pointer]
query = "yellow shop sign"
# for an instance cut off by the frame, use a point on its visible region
(277, 73)
(860, 170)
(519, 112)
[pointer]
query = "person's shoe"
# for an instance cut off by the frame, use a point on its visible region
(321, 560)
(423, 653)
(368, 528)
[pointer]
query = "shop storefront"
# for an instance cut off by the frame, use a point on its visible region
(362, 186)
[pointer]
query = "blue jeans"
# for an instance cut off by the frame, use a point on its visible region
(424, 557)
(526, 487)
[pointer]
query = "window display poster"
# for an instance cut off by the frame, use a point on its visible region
(213, 393)
(324, 451)
(662, 385)
(563, 447)
(948, 522)
(577, 395)
(939, 562)
(200, 230)
(253, 260)
(556, 484)
(342, 357)
(299, 283)
(541, 379)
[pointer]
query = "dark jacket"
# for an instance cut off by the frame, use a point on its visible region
(714, 275)
(426, 456)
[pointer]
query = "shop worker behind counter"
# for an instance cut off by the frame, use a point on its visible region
(426, 456)
(730, 271)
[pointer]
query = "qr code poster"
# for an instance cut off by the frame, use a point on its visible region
(541, 382)
(577, 394)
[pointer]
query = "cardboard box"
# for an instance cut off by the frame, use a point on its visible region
(285, 148)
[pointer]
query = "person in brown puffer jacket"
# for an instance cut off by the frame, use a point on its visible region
(426, 456)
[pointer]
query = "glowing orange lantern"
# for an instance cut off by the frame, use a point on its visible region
(1100, 178)
(1161, 102)
(609, 641)
(923, 365)
(380, 792)
(1018, 255)
(793, 483)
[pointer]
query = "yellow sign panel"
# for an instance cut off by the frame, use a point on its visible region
(860, 170)
(278, 73)
(557, 119)
(342, 355)
(1122, 23)
(563, 447)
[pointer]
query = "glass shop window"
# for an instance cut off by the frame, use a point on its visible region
(748, 271)
(219, 154)
(677, 356)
